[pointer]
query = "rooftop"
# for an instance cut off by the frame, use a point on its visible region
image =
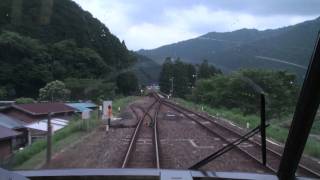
(10, 122)
(43, 124)
(82, 106)
(43, 108)
(7, 133)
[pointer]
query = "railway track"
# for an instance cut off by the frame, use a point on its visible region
(250, 148)
(143, 149)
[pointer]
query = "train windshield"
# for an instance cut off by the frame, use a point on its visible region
(152, 85)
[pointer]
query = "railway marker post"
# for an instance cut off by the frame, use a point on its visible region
(107, 113)
(99, 112)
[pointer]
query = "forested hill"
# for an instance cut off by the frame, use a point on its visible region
(284, 48)
(147, 70)
(45, 40)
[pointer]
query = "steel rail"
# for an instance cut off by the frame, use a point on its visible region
(216, 134)
(301, 166)
(225, 149)
(134, 137)
(156, 137)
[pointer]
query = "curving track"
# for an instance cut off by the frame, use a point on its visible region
(143, 149)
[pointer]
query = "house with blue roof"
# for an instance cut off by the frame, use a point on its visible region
(81, 107)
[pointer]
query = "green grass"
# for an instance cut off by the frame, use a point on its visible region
(122, 102)
(274, 131)
(38, 159)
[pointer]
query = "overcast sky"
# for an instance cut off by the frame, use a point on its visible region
(147, 24)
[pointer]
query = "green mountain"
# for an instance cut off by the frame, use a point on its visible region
(284, 48)
(146, 70)
(55, 20)
(44, 40)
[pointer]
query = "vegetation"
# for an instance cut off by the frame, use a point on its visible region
(54, 91)
(242, 90)
(182, 76)
(275, 131)
(24, 100)
(90, 89)
(38, 159)
(127, 83)
(65, 43)
(122, 103)
(146, 70)
(206, 70)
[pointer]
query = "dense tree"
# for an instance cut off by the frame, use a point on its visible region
(24, 100)
(127, 83)
(54, 91)
(41, 41)
(52, 21)
(68, 60)
(177, 75)
(242, 89)
(24, 65)
(3, 93)
(191, 74)
(184, 76)
(165, 75)
(27, 64)
(181, 84)
(206, 70)
(90, 89)
(146, 70)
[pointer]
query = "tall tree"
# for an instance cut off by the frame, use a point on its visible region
(54, 91)
(242, 90)
(191, 74)
(127, 83)
(24, 65)
(165, 75)
(181, 82)
(206, 70)
(90, 89)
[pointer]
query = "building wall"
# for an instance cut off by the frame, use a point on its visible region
(5, 148)
(21, 140)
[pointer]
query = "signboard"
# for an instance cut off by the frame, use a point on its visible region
(106, 110)
(85, 115)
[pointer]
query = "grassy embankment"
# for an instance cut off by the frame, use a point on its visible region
(275, 131)
(33, 156)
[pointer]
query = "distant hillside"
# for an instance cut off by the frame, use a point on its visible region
(284, 48)
(146, 70)
(45, 40)
(55, 20)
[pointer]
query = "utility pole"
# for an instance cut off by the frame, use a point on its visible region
(49, 138)
(171, 86)
(263, 129)
(195, 76)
